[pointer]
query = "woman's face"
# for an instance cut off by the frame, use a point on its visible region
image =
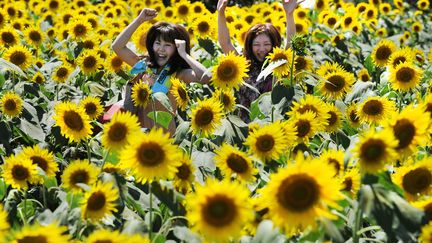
(261, 46)
(163, 51)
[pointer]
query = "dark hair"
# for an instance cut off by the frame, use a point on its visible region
(168, 32)
(256, 30)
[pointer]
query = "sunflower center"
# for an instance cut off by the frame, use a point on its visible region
(335, 83)
(116, 62)
(79, 176)
(370, 14)
(32, 239)
(237, 163)
(143, 95)
(89, 44)
(35, 36)
(89, 62)
(41, 162)
(373, 150)
(300, 64)
(249, 19)
(90, 108)
(353, 117)
(348, 183)
(348, 21)
(10, 105)
(399, 60)
(417, 180)
(96, 201)
(319, 4)
(183, 10)
(307, 107)
(227, 71)
(383, 53)
(182, 93)
(404, 131)
(364, 77)
(298, 193)
(8, 37)
(73, 120)
(219, 211)
(299, 27)
(53, 5)
(331, 21)
(203, 27)
(226, 100)
(303, 128)
(79, 30)
(151, 154)
(39, 79)
(117, 132)
(62, 72)
(335, 164)
(204, 117)
(183, 172)
(405, 74)
(373, 108)
(18, 58)
(265, 143)
(332, 119)
(280, 56)
(428, 211)
(20, 172)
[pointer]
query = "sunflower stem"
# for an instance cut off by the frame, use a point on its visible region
(25, 208)
(150, 213)
(104, 159)
(357, 222)
(88, 150)
(292, 69)
(56, 91)
(44, 198)
(154, 111)
(191, 146)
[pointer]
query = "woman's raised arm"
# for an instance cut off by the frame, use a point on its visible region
(197, 73)
(119, 45)
(289, 6)
(224, 37)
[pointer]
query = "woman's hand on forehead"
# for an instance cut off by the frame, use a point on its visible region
(181, 47)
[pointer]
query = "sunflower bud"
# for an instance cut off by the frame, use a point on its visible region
(299, 44)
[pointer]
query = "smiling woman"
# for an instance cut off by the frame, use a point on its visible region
(168, 47)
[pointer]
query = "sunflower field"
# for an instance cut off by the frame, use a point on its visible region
(339, 150)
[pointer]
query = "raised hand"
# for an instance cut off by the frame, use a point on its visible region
(147, 14)
(181, 47)
(290, 5)
(221, 6)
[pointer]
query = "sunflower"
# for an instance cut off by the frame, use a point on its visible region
(415, 178)
(61, 73)
(38, 78)
(182, 9)
(375, 110)
(141, 94)
(219, 210)
(321, 4)
(11, 104)
(426, 206)
(375, 149)
(89, 61)
(79, 171)
(41, 158)
(351, 181)
(313, 104)
(79, 28)
(331, 20)
(33, 36)
(405, 76)
(336, 84)
(115, 64)
(306, 125)
(426, 233)
(302, 64)
(230, 71)
(4, 225)
(382, 52)
(19, 55)
(403, 55)
(267, 142)
(92, 106)
(99, 202)
(203, 27)
(381, 32)
(301, 193)
(151, 156)
(385, 8)
(335, 158)
(119, 131)
(327, 67)
(231, 161)
(179, 91)
(184, 178)
(363, 75)
(302, 27)
(279, 54)
(416, 27)
(106, 236)
(227, 99)
(37, 233)
(73, 121)
(423, 4)
(410, 128)
(9, 36)
(206, 116)
(18, 172)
